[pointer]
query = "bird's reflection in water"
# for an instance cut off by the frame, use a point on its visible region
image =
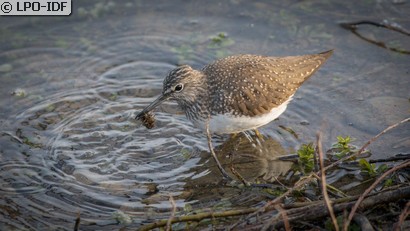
(253, 157)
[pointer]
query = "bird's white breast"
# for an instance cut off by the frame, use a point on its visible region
(228, 123)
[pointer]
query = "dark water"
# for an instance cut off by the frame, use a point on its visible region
(70, 85)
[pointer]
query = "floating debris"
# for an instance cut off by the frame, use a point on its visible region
(19, 92)
(121, 217)
(147, 119)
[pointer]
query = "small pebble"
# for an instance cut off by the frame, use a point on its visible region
(304, 122)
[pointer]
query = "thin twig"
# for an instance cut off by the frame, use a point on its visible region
(282, 213)
(335, 190)
(281, 184)
(198, 217)
(368, 190)
(236, 173)
(396, 157)
(353, 26)
(323, 180)
(403, 216)
(171, 217)
(284, 217)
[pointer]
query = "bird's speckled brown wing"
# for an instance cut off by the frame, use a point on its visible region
(253, 85)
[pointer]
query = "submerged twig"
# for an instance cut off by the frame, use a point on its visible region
(174, 209)
(353, 28)
(397, 157)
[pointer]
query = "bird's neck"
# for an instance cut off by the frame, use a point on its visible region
(196, 106)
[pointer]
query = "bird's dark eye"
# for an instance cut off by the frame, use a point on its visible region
(178, 87)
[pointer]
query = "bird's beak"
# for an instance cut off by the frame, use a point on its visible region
(154, 104)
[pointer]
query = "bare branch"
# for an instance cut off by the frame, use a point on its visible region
(323, 180)
(403, 216)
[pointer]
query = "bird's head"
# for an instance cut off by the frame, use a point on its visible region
(182, 84)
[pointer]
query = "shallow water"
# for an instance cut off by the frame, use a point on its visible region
(70, 86)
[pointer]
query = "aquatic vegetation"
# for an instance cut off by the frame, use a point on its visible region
(185, 52)
(371, 169)
(306, 154)
(121, 217)
(219, 44)
(343, 146)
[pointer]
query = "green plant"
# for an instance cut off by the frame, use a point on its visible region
(306, 158)
(343, 146)
(371, 169)
(389, 182)
(367, 167)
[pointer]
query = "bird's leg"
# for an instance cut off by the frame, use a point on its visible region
(259, 135)
(221, 169)
(233, 135)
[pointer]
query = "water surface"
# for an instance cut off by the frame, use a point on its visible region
(70, 86)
